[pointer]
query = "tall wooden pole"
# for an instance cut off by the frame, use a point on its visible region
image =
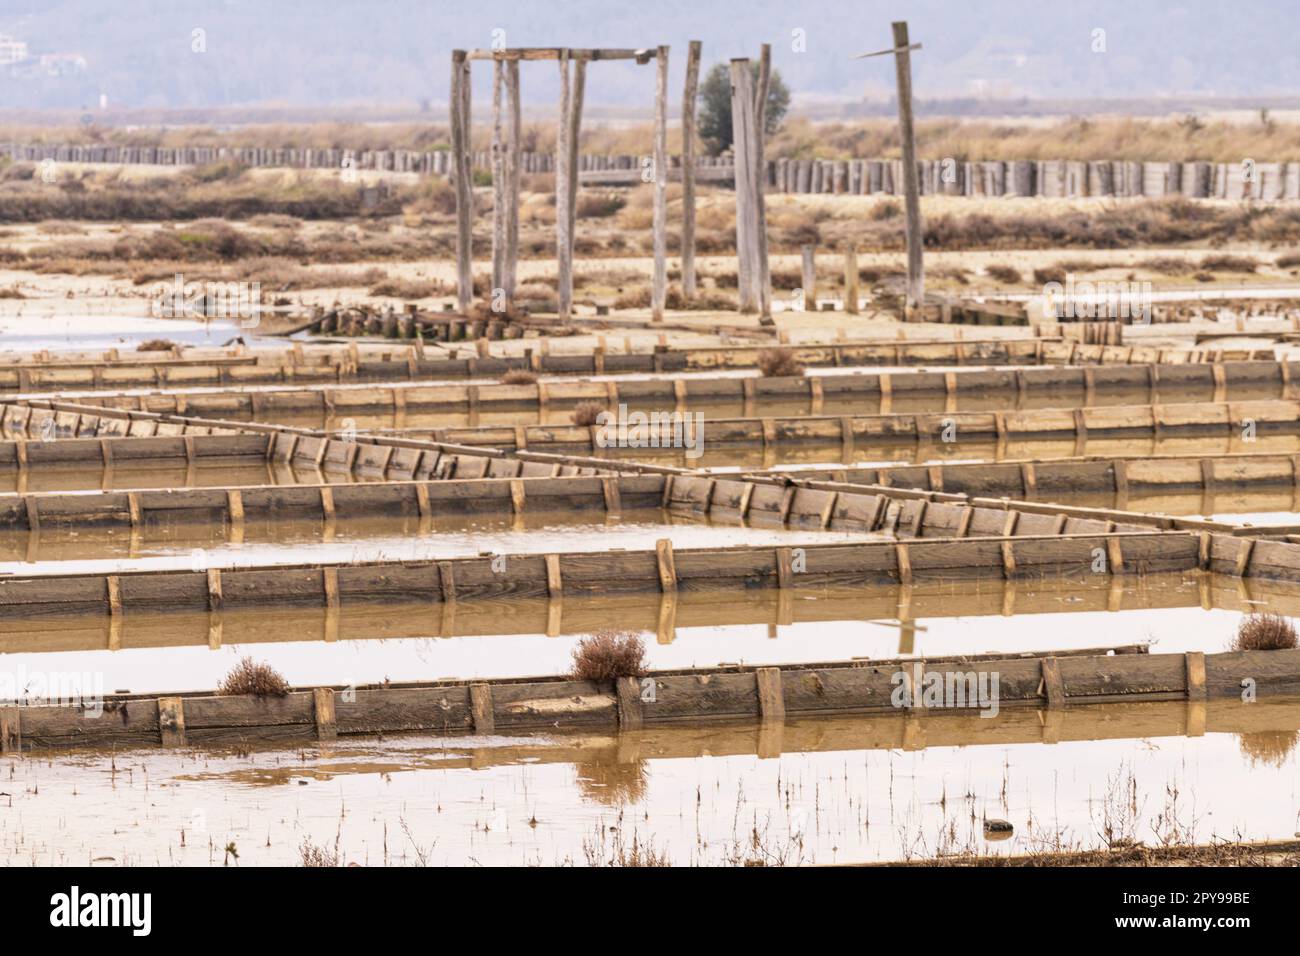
(498, 187)
(763, 276)
(659, 283)
(460, 102)
(911, 185)
(575, 131)
(688, 168)
(742, 147)
(514, 170)
(563, 247)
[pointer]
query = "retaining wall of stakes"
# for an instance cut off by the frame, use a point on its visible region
(1215, 378)
(1205, 418)
(766, 694)
(329, 585)
(658, 613)
(1203, 474)
(1052, 178)
(410, 368)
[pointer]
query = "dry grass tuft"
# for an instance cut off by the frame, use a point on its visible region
(249, 677)
(1265, 632)
(313, 855)
(156, 345)
(587, 413)
(1226, 263)
(1008, 274)
(607, 655)
(519, 376)
(778, 363)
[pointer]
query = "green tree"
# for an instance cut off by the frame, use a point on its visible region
(715, 106)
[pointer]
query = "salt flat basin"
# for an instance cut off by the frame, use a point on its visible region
(290, 543)
(812, 791)
(100, 333)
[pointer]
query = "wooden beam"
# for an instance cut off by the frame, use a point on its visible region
(460, 102)
(759, 186)
(514, 171)
(911, 184)
(563, 247)
(742, 129)
(498, 165)
(659, 282)
(809, 253)
(851, 279)
(642, 56)
(689, 96)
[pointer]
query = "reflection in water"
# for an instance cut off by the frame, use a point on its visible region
(1270, 748)
(811, 790)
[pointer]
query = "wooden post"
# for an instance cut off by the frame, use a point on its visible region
(903, 67)
(563, 247)
(575, 123)
(742, 147)
(659, 283)
(809, 277)
(498, 186)
(514, 168)
(688, 168)
(851, 279)
(759, 185)
(460, 101)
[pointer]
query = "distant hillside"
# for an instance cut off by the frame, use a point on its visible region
(142, 53)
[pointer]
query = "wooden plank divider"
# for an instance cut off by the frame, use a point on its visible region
(667, 567)
(1053, 688)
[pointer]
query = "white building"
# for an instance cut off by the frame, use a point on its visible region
(12, 50)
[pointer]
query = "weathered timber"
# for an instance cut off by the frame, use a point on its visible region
(683, 696)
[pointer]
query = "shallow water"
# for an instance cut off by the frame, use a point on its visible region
(812, 791)
(374, 539)
(363, 644)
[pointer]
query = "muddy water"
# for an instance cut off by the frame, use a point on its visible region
(161, 652)
(62, 551)
(812, 791)
(101, 333)
(122, 477)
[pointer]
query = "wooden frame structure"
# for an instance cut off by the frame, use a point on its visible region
(506, 145)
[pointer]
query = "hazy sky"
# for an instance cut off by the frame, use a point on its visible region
(224, 52)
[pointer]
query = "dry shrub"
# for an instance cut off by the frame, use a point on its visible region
(250, 677)
(599, 205)
(1264, 632)
(12, 292)
(586, 413)
(778, 363)
(1166, 265)
(1049, 274)
(1289, 261)
(1007, 274)
(411, 288)
(314, 855)
(156, 345)
(519, 376)
(607, 655)
(1226, 263)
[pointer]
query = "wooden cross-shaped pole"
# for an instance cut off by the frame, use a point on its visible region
(902, 51)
